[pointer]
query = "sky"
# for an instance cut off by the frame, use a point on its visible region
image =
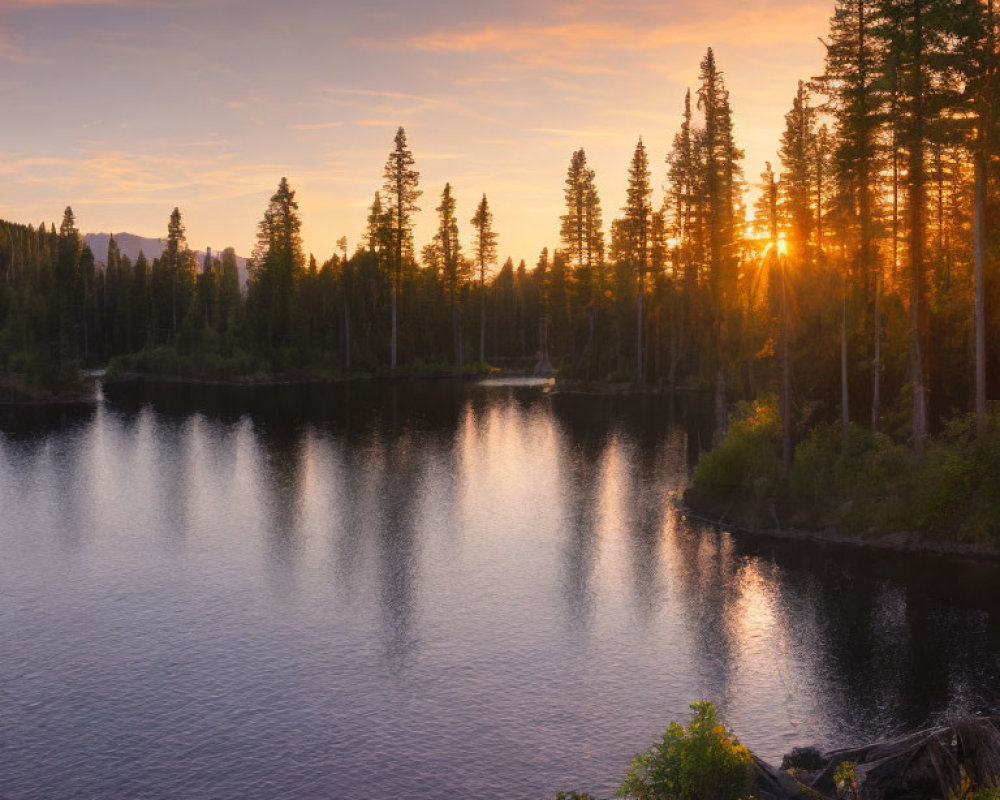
(124, 109)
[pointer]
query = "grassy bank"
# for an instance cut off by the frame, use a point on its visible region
(865, 486)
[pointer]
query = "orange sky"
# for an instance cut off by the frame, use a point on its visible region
(126, 108)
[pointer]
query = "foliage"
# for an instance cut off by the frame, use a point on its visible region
(745, 463)
(982, 793)
(700, 761)
(867, 485)
(845, 778)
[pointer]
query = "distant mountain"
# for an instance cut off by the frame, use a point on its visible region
(131, 245)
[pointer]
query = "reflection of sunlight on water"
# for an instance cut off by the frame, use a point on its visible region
(500, 581)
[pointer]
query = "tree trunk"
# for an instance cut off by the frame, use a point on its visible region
(392, 346)
(639, 377)
(347, 337)
(845, 398)
(173, 305)
(591, 350)
(674, 344)
(979, 257)
(456, 328)
(877, 366)
(482, 323)
(786, 378)
(918, 190)
(721, 419)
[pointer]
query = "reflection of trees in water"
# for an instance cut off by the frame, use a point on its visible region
(643, 458)
(880, 645)
(705, 575)
(282, 454)
(885, 643)
(398, 550)
(581, 458)
(384, 474)
(646, 503)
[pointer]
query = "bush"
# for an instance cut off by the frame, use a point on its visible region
(701, 761)
(745, 464)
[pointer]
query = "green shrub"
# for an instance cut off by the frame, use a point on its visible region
(957, 485)
(845, 778)
(700, 761)
(968, 790)
(745, 463)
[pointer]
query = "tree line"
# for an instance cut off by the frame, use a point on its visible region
(860, 286)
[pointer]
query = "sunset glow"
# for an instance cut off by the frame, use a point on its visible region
(126, 108)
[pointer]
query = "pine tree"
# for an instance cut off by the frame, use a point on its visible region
(721, 188)
(448, 252)
(920, 37)
(68, 291)
(583, 238)
(276, 267)
(982, 79)
(638, 212)
(401, 195)
(798, 159)
(683, 207)
(178, 263)
(581, 233)
(229, 291)
(857, 98)
(485, 249)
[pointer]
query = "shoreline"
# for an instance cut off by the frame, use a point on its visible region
(909, 542)
(16, 391)
(20, 391)
(559, 386)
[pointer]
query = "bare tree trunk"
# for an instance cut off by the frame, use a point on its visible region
(979, 257)
(591, 354)
(640, 360)
(482, 323)
(877, 366)
(347, 337)
(173, 304)
(786, 378)
(674, 344)
(392, 346)
(917, 200)
(721, 419)
(845, 397)
(86, 337)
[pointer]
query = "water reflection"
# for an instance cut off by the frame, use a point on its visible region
(488, 589)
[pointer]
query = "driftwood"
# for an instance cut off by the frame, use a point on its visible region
(927, 765)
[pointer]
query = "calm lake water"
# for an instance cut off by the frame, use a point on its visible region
(425, 591)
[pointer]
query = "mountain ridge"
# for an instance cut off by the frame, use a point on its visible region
(130, 244)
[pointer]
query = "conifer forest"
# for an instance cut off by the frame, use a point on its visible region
(855, 278)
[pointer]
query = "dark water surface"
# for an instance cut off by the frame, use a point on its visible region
(425, 591)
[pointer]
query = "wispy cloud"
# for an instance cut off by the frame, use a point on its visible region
(380, 123)
(574, 134)
(47, 3)
(386, 95)
(317, 126)
(560, 45)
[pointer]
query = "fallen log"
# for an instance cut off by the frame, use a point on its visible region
(927, 765)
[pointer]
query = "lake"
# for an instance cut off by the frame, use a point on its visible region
(426, 590)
